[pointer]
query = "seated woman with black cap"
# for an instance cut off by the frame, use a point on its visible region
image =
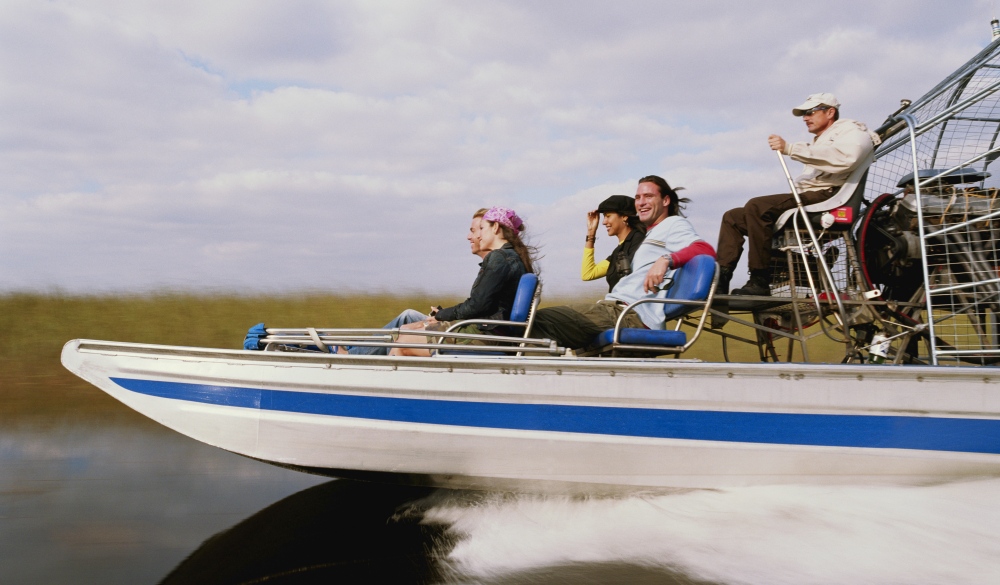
(621, 221)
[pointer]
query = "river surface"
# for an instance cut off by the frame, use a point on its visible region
(111, 497)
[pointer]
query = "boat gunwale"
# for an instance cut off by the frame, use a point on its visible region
(561, 364)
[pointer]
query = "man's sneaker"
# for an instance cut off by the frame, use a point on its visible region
(758, 286)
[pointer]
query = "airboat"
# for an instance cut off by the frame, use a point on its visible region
(901, 268)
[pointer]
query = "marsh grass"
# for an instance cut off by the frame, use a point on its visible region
(35, 327)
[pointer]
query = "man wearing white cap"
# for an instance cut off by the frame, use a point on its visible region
(837, 148)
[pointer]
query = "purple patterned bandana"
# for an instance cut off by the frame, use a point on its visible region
(505, 217)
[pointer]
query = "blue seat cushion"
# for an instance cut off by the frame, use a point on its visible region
(660, 337)
(691, 282)
(523, 297)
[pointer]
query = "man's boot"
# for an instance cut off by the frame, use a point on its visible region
(721, 288)
(758, 286)
(725, 277)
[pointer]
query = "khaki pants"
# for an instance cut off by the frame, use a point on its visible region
(575, 326)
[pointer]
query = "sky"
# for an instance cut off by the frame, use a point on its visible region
(278, 147)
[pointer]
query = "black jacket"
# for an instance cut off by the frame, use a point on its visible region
(493, 291)
(621, 257)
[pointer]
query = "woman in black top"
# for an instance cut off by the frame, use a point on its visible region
(493, 292)
(622, 222)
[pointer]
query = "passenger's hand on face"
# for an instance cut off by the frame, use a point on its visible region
(593, 220)
(654, 278)
(776, 142)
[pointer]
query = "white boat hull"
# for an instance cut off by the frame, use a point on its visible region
(592, 425)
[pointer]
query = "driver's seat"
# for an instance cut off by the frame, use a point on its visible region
(844, 206)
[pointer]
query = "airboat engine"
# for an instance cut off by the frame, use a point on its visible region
(889, 233)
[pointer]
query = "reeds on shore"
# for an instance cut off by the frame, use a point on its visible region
(35, 326)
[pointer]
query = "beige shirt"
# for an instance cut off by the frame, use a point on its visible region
(832, 155)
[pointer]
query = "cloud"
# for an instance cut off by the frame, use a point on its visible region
(308, 145)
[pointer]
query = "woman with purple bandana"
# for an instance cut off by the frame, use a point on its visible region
(493, 291)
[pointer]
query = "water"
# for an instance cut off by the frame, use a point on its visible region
(86, 504)
(769, 535)
(118, 499)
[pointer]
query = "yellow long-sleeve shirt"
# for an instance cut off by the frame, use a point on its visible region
(591, 271)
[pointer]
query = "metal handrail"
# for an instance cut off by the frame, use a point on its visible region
(539, 346)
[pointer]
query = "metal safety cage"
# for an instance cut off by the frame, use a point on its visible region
(928, 237)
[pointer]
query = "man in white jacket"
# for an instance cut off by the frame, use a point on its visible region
(838, 147)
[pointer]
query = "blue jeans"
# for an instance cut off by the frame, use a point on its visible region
(406, 317)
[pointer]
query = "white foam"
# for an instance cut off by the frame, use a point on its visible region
(774, 535)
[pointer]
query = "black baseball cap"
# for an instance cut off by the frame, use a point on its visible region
(620, 204)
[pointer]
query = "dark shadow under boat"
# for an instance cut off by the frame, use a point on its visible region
(334, 532)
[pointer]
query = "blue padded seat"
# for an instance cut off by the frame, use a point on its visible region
(692, 282)
(664, 337)
(523, 297)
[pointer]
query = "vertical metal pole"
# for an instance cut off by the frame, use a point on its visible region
(819, 255)
(800, 330)
(911, 124)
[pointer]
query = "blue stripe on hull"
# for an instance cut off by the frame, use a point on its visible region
(832, 430)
